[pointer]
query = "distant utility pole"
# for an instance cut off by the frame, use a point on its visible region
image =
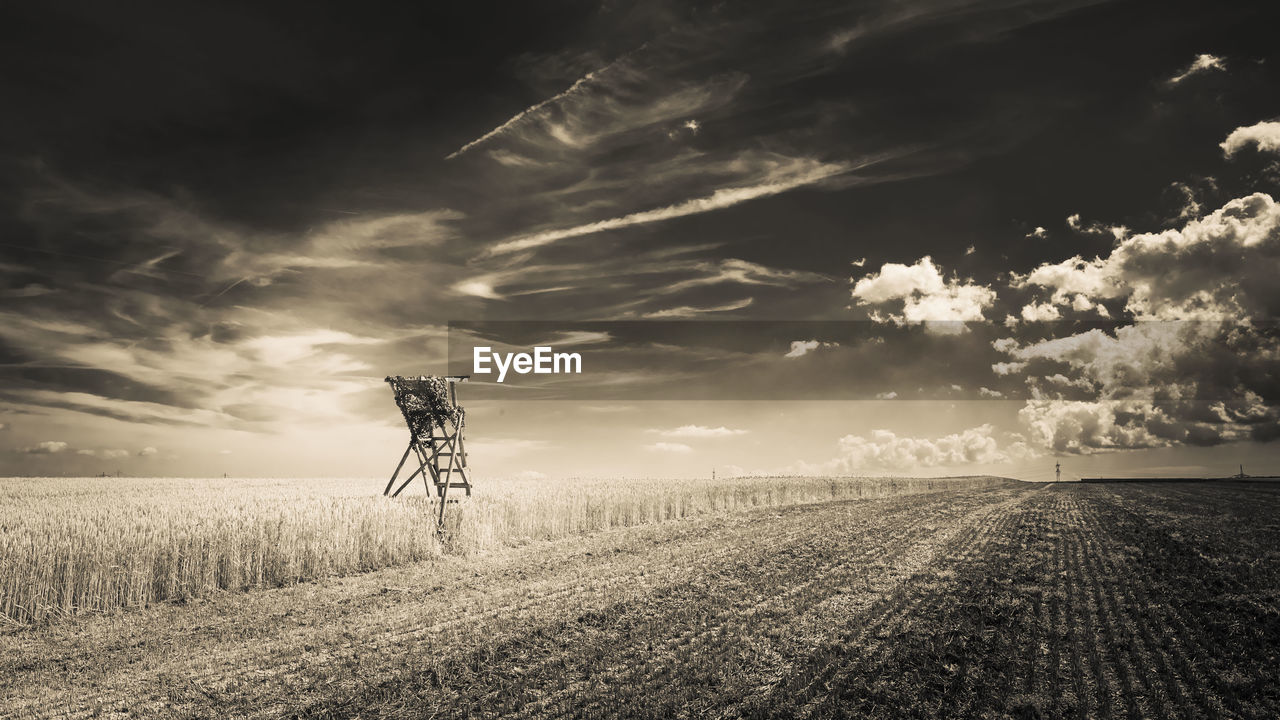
(713, 474)
(1057, 470)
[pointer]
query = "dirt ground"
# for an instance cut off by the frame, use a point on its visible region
(1090, 601)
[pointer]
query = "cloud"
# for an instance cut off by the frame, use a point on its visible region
(105, 454)
(1264, 135)
(147, 452)
(989, 393)
(48, 447)
(788, 175)
(926, 296)
(641, 89)
(1007, 368)
(608, 409)
(890, 395)
(1202, 64)
(800, 348)
(1220, 267)
(885, 450)
(3, 427)
(532, 110)
(742, 272)
(1040, 312)
(1075, 222)
(1190, 206)
(1039, 233)
(688, 311)
(1195, 367)
(700, 431)
(666, 447)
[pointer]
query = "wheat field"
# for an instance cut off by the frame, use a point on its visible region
(81, 545)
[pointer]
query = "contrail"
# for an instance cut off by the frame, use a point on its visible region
(224, 291)
(515, 120)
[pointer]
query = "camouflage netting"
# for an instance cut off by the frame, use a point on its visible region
(425, 403)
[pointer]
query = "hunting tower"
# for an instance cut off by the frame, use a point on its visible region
(436, 425)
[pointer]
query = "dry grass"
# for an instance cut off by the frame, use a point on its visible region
(70, 546)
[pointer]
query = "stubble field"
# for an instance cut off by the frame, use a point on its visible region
(1004, 600)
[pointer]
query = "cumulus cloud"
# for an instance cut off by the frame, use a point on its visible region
(1265, 136)
(147, 452)
(1040, 312)
(1219, 267)
(1202, 64)
(1154, 384)
(48, 447)
(1039, 233)
(885, 450)
(1190, 203)
(700, 431)
(800, 348)
(1197, 363)
(926, 296)
(1007, 368)
(890, 395)
(1075, 222)
(666, 447)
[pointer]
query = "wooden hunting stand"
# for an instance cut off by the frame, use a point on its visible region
(430, 408)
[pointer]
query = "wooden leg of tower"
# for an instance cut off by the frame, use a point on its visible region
(407, 480)
(444, 492)
(462, 446)
(403, 457)
(434, 481)
(422, 467)
(450, 445)
(461, 454)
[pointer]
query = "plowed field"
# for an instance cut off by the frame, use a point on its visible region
(1089, 601)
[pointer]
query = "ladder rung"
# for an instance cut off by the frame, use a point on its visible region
(464, 486)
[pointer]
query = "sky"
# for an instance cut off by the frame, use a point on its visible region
(870, 238)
